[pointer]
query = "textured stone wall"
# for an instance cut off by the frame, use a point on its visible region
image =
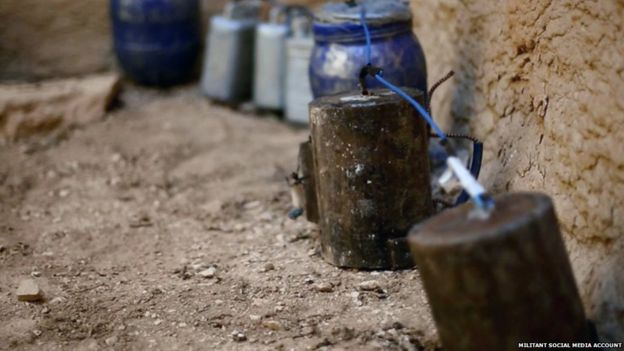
(59, 38)
(542, 83)
(52, 38)
(64, 38)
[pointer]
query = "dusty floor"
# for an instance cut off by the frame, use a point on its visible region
(115, 222)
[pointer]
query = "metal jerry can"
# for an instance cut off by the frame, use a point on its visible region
(228, 66)
(269, 70)
(298, 50)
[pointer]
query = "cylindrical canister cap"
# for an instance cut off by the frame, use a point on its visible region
(377, 12)
(461, 225)
(243, 10)
(356, 101)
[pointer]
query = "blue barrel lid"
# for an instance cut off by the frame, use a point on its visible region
(378, 12)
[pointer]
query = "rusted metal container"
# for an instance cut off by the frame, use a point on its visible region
(306, 173)
(372, 175)
(496, 282)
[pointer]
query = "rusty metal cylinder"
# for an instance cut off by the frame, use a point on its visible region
(306, 172)
(497, 282)
(372, 175)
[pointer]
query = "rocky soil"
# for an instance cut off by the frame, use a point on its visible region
(164, 227)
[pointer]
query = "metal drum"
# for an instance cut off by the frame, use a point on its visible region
(340, 50)
(370, 169)
(298, 51)
(228, 64)
(493, 282)
(270, 63)
(157, 42)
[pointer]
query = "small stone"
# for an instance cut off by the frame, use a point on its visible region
(266, 217)
(35, 273)
(269, 267)
(273, 325)
(324, 287)
(157, 322)
(111, 341)
(198, 266)
(37, 332)
(28, 290)
(255, 317)
(357, 298)
(63, 193)
(310, 330)
(114, 181)
(251, 205)
(45, 310)
(370, 285)
(87, 344)
(140, 221)
(57, 300)
(182, 325)
(116, 157)
(51, 174)
(238, 336)
(392, 325)
(208, 273)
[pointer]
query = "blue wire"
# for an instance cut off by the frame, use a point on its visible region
(367, 34)
(388, 85)
(479, 201)
(414, 103)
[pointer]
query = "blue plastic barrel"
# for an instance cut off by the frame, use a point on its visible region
(157, 42)
(340, 47)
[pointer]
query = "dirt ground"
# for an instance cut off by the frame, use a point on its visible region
(116, 222)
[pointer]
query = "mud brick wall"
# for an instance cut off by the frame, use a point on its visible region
(53, 38)
(64, 38)
(542, 83)
(59, 38)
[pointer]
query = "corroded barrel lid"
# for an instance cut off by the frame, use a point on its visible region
(378, 12)
(355, 100)
(462, 226)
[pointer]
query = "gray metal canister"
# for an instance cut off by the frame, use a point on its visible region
(269, 70)
(228, 63)
(298, 51)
